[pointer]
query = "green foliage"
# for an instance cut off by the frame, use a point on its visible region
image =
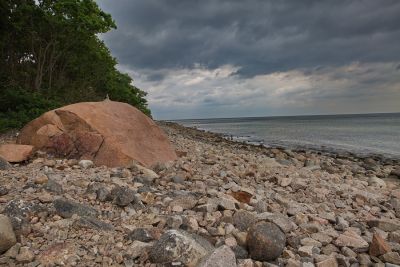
(51, 56)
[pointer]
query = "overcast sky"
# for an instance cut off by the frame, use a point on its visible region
(217, 58)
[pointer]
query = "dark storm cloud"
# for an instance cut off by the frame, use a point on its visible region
(258, 36)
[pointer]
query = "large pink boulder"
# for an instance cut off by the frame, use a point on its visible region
(15, 153)
(109, 133)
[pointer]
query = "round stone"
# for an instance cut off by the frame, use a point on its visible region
(265, 241)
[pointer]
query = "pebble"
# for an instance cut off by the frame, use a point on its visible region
(7, 235)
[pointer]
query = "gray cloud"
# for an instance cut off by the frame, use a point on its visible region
(234, 58)
(257, 35)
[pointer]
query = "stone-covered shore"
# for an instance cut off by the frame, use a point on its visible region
(220, 204)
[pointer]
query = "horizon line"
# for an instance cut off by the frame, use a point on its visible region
(282, 116)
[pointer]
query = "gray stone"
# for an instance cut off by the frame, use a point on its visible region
(178, 180)
(220, 257)
(103, 194)
(240, 252)
(137, 248)
(66, 208)
(243, 219)
(7, 235)
(19, 212)
(3, 191)
(4, 165)
(144, 234)
(122, 196)
(385, 224)
(54, 187)
(265, 241)
(179, 246)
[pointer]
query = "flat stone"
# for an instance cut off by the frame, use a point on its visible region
(386, 225)
(352, 240)
(15, 153)
(7, 235)
(282, 221)
(265, 241)
(179, 246)
(66, 208)
(223, 203)
(185, 200)
(391, 257)
(308, 251)
(220, 257)
(25, 255)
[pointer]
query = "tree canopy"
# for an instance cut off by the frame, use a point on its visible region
(51, 55)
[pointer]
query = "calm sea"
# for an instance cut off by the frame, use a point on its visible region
(360, 134)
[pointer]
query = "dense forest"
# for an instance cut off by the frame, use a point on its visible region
(51, 55)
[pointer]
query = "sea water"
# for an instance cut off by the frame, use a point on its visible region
(362, 134)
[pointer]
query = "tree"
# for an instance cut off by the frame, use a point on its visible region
(49, 50)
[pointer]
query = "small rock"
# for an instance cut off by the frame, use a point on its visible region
(243, 220)
(54, 187)
(41, 179)
(364, 259)
(4, 165)
(185, 200)
(391, 257)
(85, 163)
(378, 246)
(25, 255)
(223, 203)
(308, 251)
(377, 182)
(137, 248)
(265, 241)
(144, 234)
(103, 194)
(352, 240)
(179, 246)
(386, 225)
(66, 208)
(13, 251)
(230, 242)
(122, 196)
(330, 262)
(240, 252)
(7, 235)
(220, 257)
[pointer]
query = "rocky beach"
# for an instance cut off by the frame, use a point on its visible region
(221, 203)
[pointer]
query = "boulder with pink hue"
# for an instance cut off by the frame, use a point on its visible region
(108, 133)
(15, 153)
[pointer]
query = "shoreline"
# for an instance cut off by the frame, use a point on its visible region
(329, 152)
